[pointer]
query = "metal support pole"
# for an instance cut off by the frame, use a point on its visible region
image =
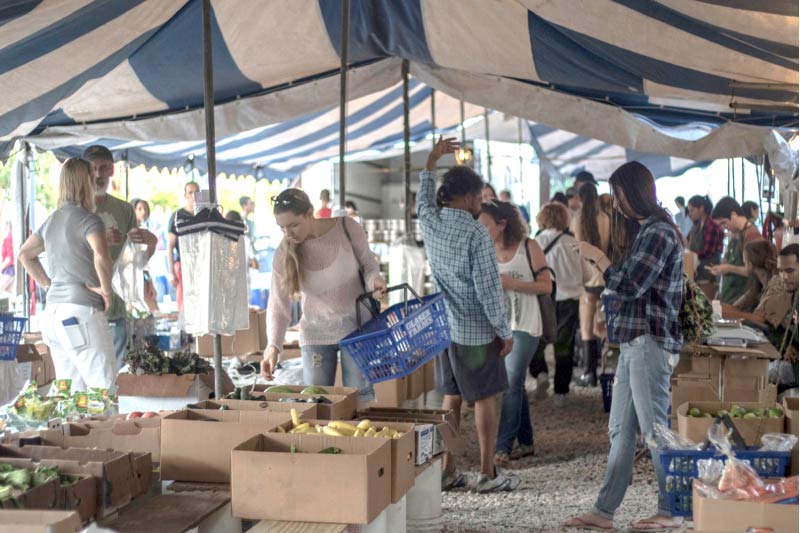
(127, 182)
(208, 107)
(433, 118)
(488, 146)
(406, 150)
(343, 98)
(463, 129)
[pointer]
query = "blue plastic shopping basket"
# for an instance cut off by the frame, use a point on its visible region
(10, 332)
(401, 339)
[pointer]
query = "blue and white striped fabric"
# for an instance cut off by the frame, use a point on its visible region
(133, 70)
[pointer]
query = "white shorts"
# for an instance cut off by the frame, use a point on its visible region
(82, 349)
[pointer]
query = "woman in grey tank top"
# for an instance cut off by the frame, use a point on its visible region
(78, 282)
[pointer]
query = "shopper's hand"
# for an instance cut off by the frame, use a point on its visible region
(589, 252)
(142, 236)
(507, 282)
(269, 363)
(379, 288)
(444, 146)
(173, 281)
(506, 346)
(106, 296)
(718, 270)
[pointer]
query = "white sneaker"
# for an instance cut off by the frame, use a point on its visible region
(559, 400)
(503, 481)
(542, 384)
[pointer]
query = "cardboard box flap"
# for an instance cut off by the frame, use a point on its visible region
(167, 385)
(253, 405)
(231, 416)
(27, 353)
(135, 426)
(27, 521)
(444, 420)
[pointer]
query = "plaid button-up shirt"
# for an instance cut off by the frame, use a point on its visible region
(650, 284)
(464, 266)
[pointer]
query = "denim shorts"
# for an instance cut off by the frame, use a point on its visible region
(472, 372)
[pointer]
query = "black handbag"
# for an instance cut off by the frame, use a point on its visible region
(547, 306)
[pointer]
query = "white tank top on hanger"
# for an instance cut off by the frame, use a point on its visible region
(522, 309)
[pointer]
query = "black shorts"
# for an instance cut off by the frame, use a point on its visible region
(597, 291)
(472, 372)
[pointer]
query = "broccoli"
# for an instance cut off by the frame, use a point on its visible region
(20, 478)
(5, 492)
(44, 474)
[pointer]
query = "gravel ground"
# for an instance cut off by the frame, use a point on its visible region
(560, 481)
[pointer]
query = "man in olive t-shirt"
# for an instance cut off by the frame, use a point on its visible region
(729, 214)
(120, 224)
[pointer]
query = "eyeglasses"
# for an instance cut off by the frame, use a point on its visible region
(286, 199)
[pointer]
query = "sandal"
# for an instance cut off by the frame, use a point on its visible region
(581, 523)
(656, 523)
(523, 450)
(502, 459)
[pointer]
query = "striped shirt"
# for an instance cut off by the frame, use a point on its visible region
(650, 284)
(464, 267)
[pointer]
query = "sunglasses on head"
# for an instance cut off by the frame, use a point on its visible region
(287, 198)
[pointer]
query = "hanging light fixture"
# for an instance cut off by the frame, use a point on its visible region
(464, 153)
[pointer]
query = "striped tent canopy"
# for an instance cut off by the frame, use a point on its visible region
(72, 71)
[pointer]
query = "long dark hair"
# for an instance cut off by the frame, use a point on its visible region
(639, 188)
(590, 209)
(702, 201)
(297, 202)
(457, 182)
(515, 230)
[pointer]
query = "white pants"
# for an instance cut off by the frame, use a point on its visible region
(84, 352)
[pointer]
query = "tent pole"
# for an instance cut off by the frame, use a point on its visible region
(127, 182)
(406, 150)
(463, 129)
(488, 148)
(211, 157)
(343, 98)
(433, 118)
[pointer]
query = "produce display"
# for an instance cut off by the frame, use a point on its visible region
(30, 410)
(16, 481)
(148, 358)
(738, 412)
(340, 428)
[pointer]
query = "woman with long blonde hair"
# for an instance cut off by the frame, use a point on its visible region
(78, 282)
(327, 264)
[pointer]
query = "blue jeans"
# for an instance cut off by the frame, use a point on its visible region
(515, 417)
(119, 334)
(640, 399)
(319, 368)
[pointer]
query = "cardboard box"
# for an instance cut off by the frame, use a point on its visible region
(141, 435)
(343, 404)
(196, 444)
(416, 384)
(732, 515)
(391, 393)
(30, 364)
(696, 429)
(429, 371)
(703, 391)
(47, 496)
(39, 521)
(352, 487)
(167, 392)
(118, 475)
(403, 454)
(81, 497)
(790, 409)
(243, 342)
(445, 437)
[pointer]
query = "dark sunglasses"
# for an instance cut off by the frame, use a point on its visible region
(286, 199)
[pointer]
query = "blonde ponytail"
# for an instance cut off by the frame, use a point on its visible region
(291, 270)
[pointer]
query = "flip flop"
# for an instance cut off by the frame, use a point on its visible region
(651, 525)
(580, 523)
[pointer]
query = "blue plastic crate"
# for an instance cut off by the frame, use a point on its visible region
(680, 467)
(11, 328)
(611, 307)
(401, 339)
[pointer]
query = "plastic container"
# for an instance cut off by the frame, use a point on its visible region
(680, 467)
(11, 328)
(611, 307)
(424, 501)
(607, 388)
(401, 339)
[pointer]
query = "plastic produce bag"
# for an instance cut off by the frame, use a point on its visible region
(777, 442)
(215, 291)
(665, 438)
(710, 470)
(128, 280)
